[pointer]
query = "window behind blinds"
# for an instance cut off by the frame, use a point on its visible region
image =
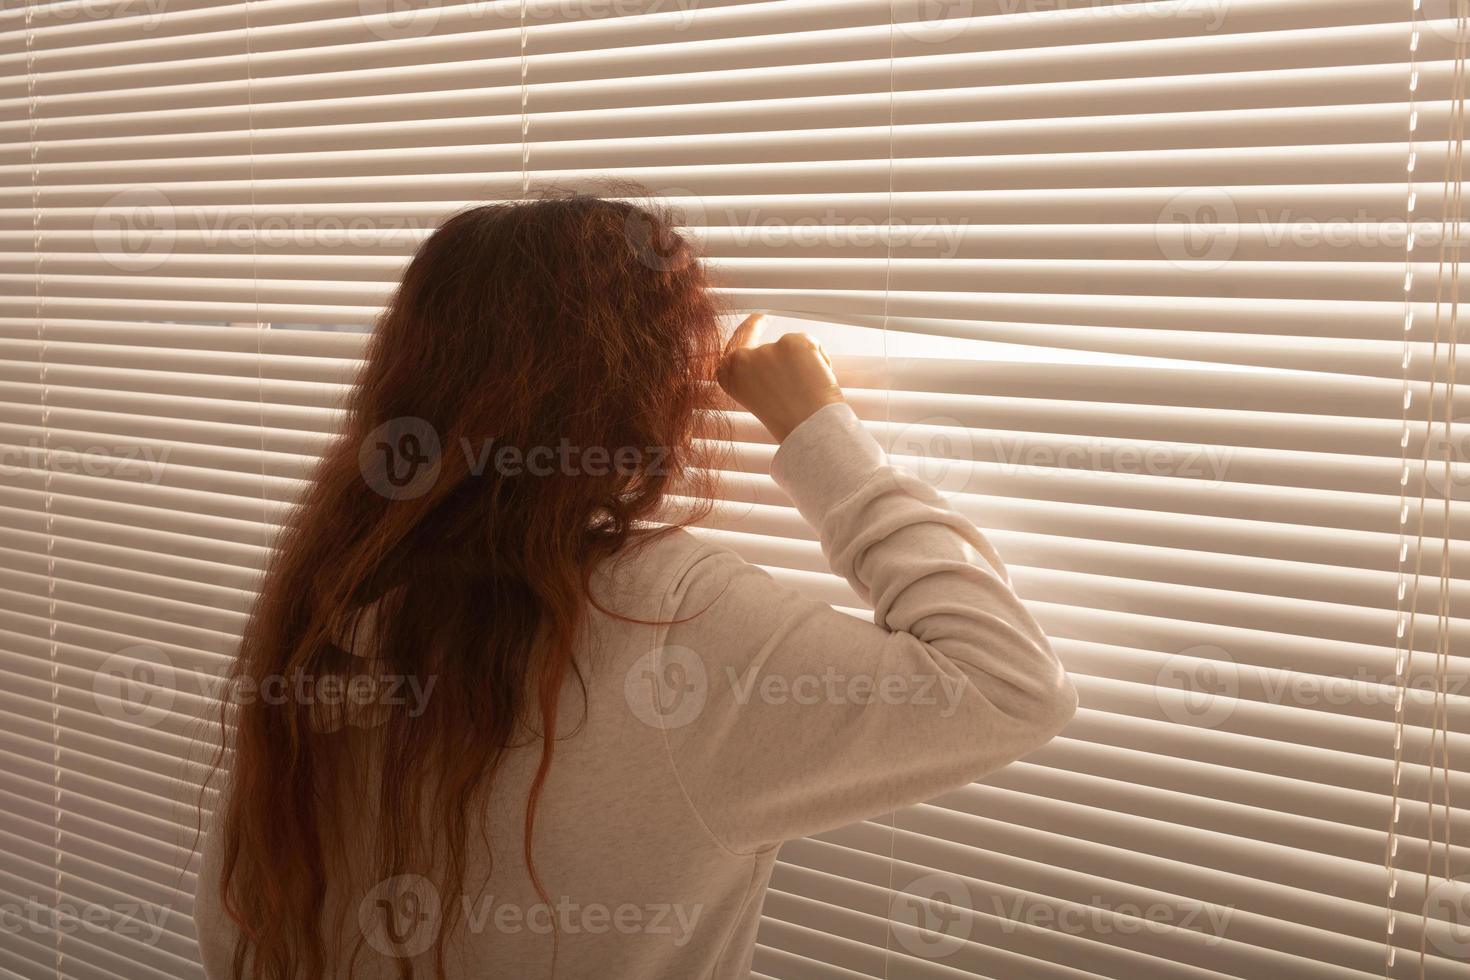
(1128, 281)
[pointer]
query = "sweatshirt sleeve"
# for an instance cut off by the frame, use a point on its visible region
(796, 718)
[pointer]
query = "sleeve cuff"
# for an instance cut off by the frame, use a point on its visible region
(825, 460)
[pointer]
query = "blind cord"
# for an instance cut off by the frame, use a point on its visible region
(1439, 721)
(888, 421)
(260, 325)
(52, 646)
(1407, 613)
(525, 101)
(1403, 653)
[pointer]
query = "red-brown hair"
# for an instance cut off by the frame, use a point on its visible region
(566, 320)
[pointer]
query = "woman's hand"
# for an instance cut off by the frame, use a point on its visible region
(781, 383)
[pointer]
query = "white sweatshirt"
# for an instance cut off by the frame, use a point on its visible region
(757, 717)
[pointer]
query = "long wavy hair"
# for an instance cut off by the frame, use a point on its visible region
(417, 553)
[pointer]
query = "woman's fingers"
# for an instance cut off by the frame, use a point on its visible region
(780, 383)
(748, 334)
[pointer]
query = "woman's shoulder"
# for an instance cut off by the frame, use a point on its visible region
(656, 565)
(655, 559)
